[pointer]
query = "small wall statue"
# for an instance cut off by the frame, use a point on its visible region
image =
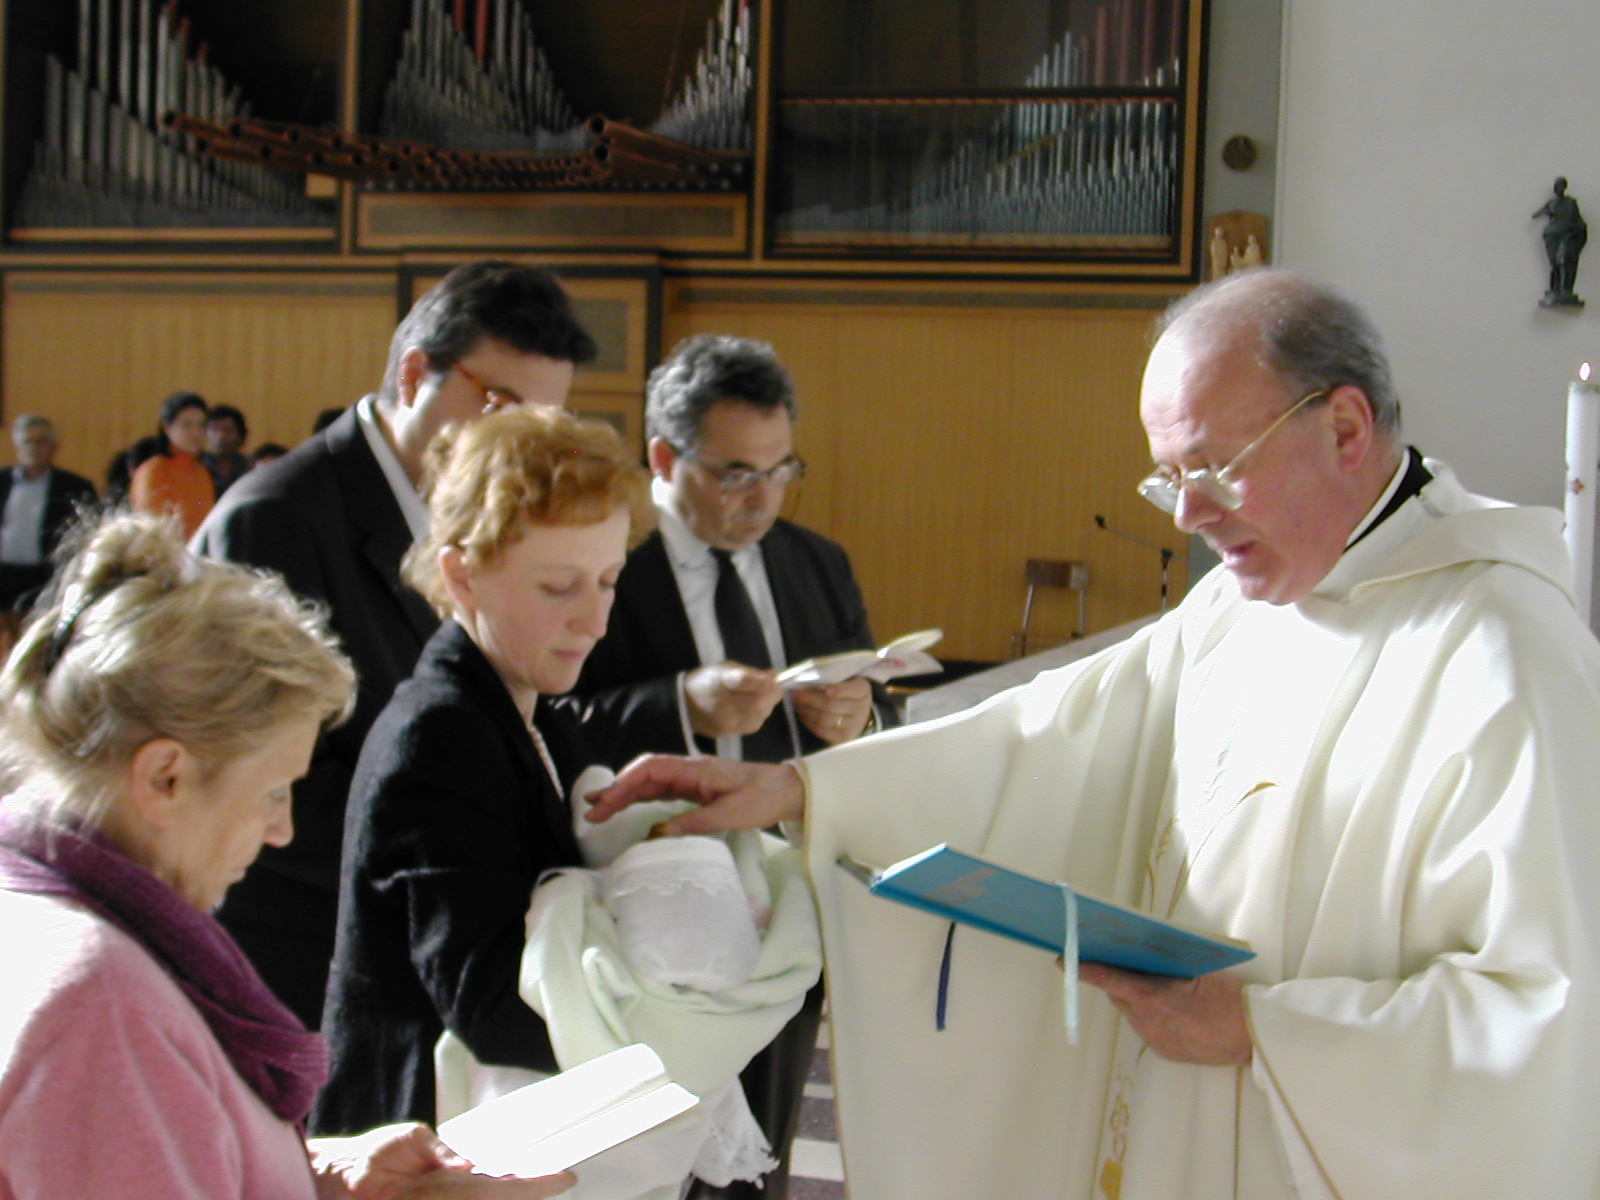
(1237, 241)
(1564, 236)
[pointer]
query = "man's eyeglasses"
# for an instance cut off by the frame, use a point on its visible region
(743, 479)
(1164, 489)
(493, 397)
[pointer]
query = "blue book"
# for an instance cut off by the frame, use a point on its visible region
(973, 891)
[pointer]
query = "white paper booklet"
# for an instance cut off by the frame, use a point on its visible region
(550, 1125)
(904, 656)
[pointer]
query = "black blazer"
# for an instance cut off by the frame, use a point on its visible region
(64, 496)
(452, 820)
(629, 682)
(325, 518)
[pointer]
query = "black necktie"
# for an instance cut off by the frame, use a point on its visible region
(744, 642)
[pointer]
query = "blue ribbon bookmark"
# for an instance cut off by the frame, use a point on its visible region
(944, 980)
(1069, 971)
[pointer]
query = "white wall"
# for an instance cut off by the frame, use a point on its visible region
(1242, 98)
(1416, 138)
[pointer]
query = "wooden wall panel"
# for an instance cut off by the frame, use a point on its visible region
(947, 446)
(948, 440)
(97, 353)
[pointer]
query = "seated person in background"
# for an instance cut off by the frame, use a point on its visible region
(37, 500)
(175, 480)
(119, 471)
(226, 434)
(459, 802)
(156, 715)
(265, 453)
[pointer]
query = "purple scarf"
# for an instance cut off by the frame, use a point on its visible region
(271, 1050)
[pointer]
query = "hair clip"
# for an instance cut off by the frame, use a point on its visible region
(63, 631)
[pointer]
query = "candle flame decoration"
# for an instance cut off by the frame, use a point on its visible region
(1583, 373)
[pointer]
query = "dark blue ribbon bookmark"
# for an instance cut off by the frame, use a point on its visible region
(944, 980)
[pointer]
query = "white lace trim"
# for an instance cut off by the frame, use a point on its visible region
(735, 1147)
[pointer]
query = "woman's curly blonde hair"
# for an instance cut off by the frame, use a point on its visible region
(490, 480)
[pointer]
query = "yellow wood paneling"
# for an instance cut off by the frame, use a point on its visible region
(604, 297)
(676, 222)
(624, 410)
(947, 442)
(97, 353)
(947, 446)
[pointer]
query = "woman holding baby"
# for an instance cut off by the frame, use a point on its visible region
(459, 805)
(487, 933)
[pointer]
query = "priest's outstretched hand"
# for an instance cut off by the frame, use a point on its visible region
(733, 795)
(1186, 1020)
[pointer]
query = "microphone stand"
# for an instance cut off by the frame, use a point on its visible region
(1167, 555)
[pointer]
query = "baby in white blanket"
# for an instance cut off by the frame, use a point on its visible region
(690, 914)
(683, 914)
(686, 913)
(665, 941)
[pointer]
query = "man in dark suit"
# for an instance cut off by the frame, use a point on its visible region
(720, 420)
(38, 501)
(718, 600)
(335, 517)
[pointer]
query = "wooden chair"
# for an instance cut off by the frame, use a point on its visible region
(1050, 573)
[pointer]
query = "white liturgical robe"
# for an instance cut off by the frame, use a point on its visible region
(1388, 789)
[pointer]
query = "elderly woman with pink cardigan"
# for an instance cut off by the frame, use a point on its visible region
(155, 717)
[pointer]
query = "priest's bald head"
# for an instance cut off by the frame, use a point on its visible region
(1273, 424)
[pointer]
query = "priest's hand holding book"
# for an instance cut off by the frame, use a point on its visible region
(1199, 1020)
(1169, 980)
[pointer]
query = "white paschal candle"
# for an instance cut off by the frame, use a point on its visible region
(1583, 451)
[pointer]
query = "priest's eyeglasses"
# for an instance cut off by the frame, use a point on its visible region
(1163, 489)
(493, 397)
(734, 480)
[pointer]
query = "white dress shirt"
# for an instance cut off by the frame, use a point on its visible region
(405, 492)
(696, 574)
(22, 533)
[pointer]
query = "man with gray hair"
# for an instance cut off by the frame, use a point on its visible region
(1364, 745)
(39, 500)
(721, 597)
(725, 593)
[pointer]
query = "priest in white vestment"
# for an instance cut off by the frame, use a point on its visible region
(1368, 744)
